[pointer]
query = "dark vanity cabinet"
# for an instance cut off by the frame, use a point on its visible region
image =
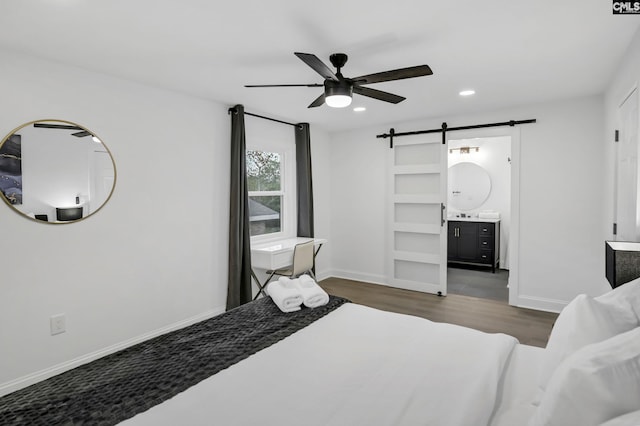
(474, 243)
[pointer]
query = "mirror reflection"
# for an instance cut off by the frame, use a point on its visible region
(55, 171)
(469, 186)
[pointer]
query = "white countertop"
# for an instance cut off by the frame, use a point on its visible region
(471, 219)
(624, 245)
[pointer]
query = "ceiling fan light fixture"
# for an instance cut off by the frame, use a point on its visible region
(338, 101)
(337, 94)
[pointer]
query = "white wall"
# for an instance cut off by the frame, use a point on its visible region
(625, 79)
(561, 193)
(358, 186)
(153, 257)
(322, 167)
(493, 156)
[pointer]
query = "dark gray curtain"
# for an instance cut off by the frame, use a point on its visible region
(239, 286)
(303, 180)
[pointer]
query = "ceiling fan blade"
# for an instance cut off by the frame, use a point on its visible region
(318, 66)
(378, 94)
(399, 74)
(56, 126)
(285, 85)
(319, 101)
(81, 134)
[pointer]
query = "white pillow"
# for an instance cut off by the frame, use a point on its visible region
(626, 296)
(582, 322)
(629, 419)
(597, 383)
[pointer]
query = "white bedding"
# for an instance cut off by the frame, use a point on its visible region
(518, 390)
(355, 366)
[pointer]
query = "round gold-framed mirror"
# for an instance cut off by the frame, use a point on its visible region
(55, 171)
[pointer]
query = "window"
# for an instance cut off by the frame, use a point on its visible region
(266, 192)
(271, 181)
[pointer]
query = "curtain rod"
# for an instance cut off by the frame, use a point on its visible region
(444, 129)
(266, 118)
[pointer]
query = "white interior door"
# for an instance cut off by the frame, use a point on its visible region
(627, 211)
(416, 224)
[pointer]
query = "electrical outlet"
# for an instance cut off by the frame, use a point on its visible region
(58, 324)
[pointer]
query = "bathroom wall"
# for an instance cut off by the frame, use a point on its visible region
(493, 155)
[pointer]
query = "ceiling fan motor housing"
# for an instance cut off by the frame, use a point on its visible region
(338, 60)
(333, 88)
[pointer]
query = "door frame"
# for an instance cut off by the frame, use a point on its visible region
(514, 235)
(616, 155)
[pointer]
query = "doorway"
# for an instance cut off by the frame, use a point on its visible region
(626, 205)
(479, 215)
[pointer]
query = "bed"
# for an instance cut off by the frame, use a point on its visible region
(347, 364)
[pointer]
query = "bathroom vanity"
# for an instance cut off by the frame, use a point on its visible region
(474, 241)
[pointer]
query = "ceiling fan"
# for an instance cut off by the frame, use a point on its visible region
(79, 131)
(338, 90)
(79, 134)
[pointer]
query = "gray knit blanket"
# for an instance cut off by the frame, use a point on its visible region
(121, 385)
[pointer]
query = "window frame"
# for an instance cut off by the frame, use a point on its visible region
(288, 218)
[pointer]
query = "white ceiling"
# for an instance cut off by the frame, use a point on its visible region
(511, 52)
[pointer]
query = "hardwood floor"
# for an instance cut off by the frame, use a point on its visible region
(530, 327)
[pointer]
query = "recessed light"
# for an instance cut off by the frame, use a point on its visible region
(359, 109)
(467, 92)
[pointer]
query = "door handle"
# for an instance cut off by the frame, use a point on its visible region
(442, 214)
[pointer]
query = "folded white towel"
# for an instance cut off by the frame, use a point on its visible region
(312, 294)
(285, 294)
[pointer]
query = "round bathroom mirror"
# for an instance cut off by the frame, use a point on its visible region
(469, 186)
(55, 171)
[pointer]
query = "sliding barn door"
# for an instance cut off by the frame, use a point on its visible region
(416, 225)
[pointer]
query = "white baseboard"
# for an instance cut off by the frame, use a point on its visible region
(540, 304)
(323, 275)
(28, 380)
(358, 276)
